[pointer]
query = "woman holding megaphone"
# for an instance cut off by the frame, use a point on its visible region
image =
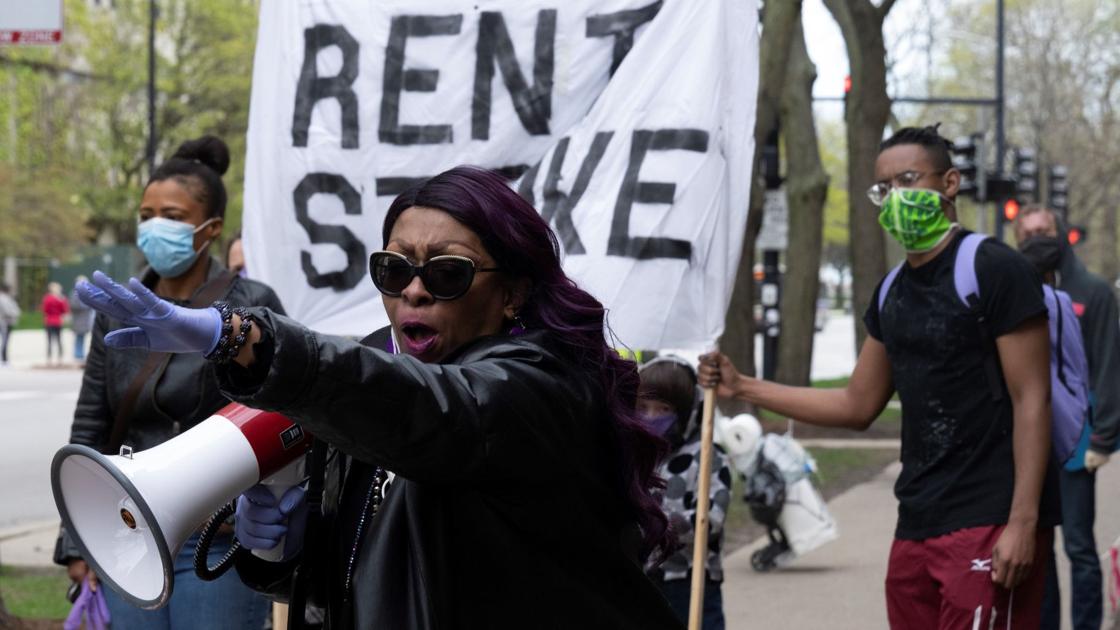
(142, 396)
(521, 495)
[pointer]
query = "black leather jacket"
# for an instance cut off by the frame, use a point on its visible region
(184, 394)
(506, 511)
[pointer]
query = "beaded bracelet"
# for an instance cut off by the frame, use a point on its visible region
(229, 344)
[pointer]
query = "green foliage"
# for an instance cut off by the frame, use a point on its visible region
(80, 132)
(39, 215)
(834, 157)
(1063, 98)
(35, 593)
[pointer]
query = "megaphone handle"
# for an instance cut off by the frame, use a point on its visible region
(278, 484)
(316, 470)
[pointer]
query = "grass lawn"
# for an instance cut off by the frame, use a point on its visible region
(887, 426)
(38, 593)
(30, 320)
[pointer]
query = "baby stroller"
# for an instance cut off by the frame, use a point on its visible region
(778, 491)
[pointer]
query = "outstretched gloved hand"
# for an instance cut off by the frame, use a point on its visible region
(262, 521)
(155, 323)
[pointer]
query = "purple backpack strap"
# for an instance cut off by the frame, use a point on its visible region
(964, 268)
(888, 281)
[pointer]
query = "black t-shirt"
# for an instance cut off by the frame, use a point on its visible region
(957, 457)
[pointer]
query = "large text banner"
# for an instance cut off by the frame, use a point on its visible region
(628, 122)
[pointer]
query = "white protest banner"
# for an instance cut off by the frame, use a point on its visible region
(354, 100)
(655, 232)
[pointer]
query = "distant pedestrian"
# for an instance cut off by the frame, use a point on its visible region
(81, 322)
(235, 255)
(1044, 242)
(9, 315)
(54, 307)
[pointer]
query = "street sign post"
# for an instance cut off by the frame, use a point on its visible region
(774, 234)
(773, 239)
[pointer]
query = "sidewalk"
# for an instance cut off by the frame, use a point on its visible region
(840, 585)
(28, 349)
(29, 544)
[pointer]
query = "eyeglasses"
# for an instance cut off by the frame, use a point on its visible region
(906, 179)
(445, 277)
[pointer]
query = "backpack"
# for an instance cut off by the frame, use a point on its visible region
(1069, 369)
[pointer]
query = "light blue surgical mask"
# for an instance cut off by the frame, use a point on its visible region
(169, 245)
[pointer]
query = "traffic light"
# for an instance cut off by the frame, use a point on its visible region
(1026, 175)
(965, 152)
(1058, 190)
(1077, 234)
(1010, 210)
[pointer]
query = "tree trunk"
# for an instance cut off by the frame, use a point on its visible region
(806, 191)
(867, 111)
(778, 21)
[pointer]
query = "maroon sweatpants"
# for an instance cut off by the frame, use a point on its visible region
(945, 583)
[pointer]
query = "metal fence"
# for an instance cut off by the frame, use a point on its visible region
(29, 277)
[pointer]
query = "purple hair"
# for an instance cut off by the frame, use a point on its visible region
(522, 244)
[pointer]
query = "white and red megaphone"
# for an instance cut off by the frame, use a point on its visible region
(131, 513)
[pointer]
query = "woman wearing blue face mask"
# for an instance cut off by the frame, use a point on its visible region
(141, 398)
(668, 400)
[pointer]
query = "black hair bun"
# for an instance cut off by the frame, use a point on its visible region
(209, 150)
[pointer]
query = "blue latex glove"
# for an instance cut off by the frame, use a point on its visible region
(261, 521)
(90, 605)
(156, 324)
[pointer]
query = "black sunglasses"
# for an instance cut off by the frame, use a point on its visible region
(445, 277)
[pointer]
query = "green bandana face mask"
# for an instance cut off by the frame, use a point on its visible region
(913, 216)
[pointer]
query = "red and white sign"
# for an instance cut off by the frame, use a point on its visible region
(29, 23)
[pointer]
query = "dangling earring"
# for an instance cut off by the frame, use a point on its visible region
(520, 324)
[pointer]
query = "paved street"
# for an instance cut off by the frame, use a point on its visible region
(36, 407)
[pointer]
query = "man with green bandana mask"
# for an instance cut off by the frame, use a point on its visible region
(978, 491)
(913, 216)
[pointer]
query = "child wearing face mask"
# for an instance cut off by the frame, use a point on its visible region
(669, 401)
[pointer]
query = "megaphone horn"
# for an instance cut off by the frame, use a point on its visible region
(131, 513)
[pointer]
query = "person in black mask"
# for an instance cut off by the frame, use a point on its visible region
(669, 401)
(1042, 239)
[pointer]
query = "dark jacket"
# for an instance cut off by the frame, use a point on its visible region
(506, 511)
(1095, 304)
(185, 392)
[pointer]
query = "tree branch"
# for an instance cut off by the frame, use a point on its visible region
(884, 9)
(52, 68)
